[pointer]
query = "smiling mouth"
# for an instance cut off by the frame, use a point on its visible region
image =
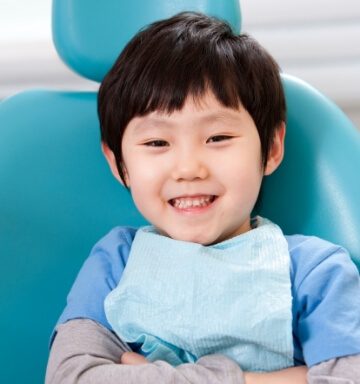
(192, 202)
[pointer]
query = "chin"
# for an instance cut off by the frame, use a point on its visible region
(195, 239)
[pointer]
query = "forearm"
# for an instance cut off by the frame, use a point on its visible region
(84, 352)
(295, 375)
(212, 370)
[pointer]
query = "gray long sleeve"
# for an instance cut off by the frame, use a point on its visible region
(336, 371)
(85, 352)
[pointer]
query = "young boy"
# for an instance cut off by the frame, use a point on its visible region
(192, 118)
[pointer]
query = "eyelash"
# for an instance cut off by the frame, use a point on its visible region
(223, 137)
(163, 143)
(154, 142)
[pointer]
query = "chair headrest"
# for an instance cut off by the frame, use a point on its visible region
(90, 34)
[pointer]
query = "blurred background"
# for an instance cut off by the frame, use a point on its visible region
(318, 41)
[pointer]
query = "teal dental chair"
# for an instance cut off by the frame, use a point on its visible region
(57, 196)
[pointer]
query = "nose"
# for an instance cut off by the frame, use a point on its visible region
(189, 165)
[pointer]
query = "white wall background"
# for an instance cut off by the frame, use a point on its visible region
(318, 41)
(27, 56)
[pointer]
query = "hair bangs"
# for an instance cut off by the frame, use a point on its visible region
(186, 78)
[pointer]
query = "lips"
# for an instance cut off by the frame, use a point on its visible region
(192, 202)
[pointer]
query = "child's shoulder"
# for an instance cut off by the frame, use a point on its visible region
(117, 235)
(316, 258)
(118, 238)
(112, 250)
(302, 246)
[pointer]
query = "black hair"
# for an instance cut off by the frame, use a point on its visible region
(189, 54)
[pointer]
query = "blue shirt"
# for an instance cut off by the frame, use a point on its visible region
(325, 290)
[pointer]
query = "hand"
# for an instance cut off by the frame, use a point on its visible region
(132, 358)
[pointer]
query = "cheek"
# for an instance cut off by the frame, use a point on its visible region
(245, 180)
(140, 170)
(145, 186)
(142, 199)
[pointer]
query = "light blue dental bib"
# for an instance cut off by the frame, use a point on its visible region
(183, 300)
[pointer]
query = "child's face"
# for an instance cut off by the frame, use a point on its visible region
(195, 174)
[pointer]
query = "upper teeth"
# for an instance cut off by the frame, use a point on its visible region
(187, 202)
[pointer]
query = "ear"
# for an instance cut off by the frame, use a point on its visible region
(110, 158)
(276, 153)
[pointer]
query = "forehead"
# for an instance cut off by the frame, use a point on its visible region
(200, 110)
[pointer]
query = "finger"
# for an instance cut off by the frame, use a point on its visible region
(132, 358)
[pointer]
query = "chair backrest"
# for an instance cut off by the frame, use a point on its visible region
(57, 196)
(316, 190)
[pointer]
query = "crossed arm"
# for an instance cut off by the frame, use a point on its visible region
(291, 375)
(86, 352)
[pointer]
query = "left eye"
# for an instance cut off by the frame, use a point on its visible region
(156, 143)
(217, 138)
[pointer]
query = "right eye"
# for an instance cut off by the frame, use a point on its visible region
(219, 138)
(156, 143)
